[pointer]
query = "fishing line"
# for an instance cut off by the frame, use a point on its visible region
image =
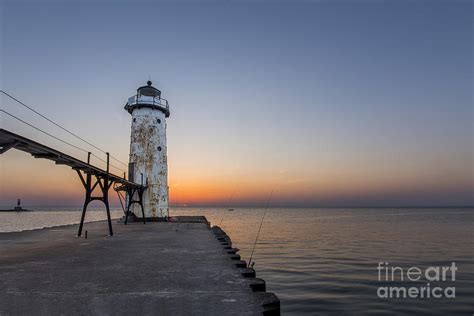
(230, 201)
(250, 264)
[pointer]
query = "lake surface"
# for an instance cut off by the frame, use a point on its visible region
(50, 217)
(324, 261)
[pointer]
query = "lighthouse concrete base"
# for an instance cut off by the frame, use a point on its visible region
(132, 218)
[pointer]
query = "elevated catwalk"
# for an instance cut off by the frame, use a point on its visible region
(91, 176)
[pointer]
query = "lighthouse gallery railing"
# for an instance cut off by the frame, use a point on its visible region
(143, 99)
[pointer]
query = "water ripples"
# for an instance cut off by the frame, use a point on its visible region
(324, 261)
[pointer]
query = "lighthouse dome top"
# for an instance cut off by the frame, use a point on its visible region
(148, 97)
(149, 90)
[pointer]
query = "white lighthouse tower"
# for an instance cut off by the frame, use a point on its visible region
(148, 158)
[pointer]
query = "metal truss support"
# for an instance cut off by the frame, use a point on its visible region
(104, 184)
(131, 192)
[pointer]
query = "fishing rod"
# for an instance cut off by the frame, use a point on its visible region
(230, 201)
(251, 264)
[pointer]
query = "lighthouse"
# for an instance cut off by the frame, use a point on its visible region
(148, 153)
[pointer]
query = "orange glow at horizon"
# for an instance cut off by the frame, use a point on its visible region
(40, 181)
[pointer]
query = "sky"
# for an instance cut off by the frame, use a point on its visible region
(328, 103)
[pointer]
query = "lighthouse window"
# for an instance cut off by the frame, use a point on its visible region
(159, 148)
(134, 119)
(158, 121)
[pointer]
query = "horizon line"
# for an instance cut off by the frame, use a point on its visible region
(259, 206)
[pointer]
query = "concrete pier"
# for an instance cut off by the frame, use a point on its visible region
(161, 268)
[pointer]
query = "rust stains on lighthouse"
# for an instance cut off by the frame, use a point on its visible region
(148, 150)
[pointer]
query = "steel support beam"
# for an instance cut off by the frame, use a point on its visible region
(131, 192)
(6, 147)
(104, 184)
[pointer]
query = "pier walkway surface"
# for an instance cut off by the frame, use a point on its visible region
(161, 268)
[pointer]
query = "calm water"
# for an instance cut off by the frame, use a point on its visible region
(42, 217)
(324, 261)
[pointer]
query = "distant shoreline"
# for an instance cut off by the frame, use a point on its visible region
(236, 206)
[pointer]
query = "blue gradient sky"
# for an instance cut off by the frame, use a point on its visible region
(333, 103)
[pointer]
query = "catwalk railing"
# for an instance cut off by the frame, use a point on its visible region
(91, 176)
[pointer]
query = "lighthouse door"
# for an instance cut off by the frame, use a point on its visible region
(131, 172)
